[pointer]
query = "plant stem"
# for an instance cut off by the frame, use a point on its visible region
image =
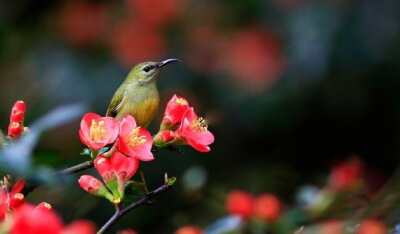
(77, 168)
(144, 200)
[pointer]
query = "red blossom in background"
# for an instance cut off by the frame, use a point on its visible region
(193, 131)
(97, 132)
(28, 220)
(370, 226)
(254, 58)
(346, 174)
(127, 231)
(332, 227)
(174, 111)
(134, 141)
(267, 206)
(162, 12)
(80, 227)
(134, 42)
(188, 230)
(239, 203)
(40, 220)
(82, 23)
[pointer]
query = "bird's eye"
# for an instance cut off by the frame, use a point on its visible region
(146, 69)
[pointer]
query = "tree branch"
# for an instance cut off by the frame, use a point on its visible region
(144, 200)
(77, 168)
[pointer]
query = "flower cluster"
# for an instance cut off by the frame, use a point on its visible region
(129, 143)
(181, 126)
(16, 126)
(18, 217)
(266, 206)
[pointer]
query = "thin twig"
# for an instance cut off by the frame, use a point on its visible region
(77, 168)
(144, 200)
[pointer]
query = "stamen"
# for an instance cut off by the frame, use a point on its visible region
(181, 101)
(97, 132)
(133, 139)
(200, 124)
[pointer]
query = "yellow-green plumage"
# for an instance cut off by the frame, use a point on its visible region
(138, 94)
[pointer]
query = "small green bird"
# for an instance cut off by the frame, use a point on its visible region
(138, 94)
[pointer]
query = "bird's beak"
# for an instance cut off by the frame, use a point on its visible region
(167, 61)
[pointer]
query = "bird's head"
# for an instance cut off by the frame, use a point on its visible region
(147, 71)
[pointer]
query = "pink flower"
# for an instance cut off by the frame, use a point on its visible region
(43, 220)
(193, 131)
(175, 109)
(97, 132)
(240, 203)
(28, 220)
(134, 141)
(118, 167)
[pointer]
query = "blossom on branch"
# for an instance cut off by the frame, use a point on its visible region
(97, 132)
(174, 111)
(134, 141)
(93, 186)
(193, 131)
(115, 171)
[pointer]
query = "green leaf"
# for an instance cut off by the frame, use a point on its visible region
(140, 187)
(85, 152)
(171, 181)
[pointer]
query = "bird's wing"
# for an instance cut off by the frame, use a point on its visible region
(115, 105)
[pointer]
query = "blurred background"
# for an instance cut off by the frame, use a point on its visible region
(290, 88)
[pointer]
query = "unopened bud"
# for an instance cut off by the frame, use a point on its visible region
(15, 129)
(164, 137)
(17, 200)
(43, 206)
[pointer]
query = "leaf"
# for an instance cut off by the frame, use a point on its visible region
(140, 187)
(171, 181)
(85, 152)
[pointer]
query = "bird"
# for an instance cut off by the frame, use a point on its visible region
(138, 95)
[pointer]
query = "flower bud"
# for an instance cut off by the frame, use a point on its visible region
(163, 137)
(174, 111)
(17, 200)
(18, 111)
(43, 206)
(15, 129)
(94, 186)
